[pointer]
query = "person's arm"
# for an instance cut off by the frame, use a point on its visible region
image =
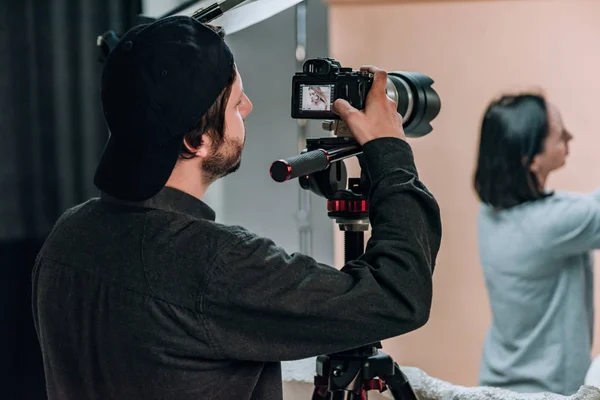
(595, 195)
(263, 304)
(571, 225)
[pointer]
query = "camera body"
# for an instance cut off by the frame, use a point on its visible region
(324, 80)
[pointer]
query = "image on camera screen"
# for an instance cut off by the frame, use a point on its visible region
(316, 97)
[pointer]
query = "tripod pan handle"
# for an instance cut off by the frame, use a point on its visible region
(302, 164)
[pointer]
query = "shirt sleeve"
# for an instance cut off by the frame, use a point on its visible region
(572, 226)
(266, 305)
(595, 195)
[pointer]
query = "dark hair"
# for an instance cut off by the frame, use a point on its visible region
(212, 122)
(513, 131)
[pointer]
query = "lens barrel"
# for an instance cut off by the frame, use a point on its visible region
(417, 101)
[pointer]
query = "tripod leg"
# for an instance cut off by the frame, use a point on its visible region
(317, 396)
(399, 385)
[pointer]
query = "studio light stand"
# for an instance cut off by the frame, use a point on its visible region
(107, 41)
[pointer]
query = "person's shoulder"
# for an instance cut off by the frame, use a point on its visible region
(76, 210)
(82, 206)
(239, 242)
(181, 231)
(69, 225)
(566, 211)
(565, 201)
(214, 243)
(556, 206)
(553, 200)
(568, 196)
(237, 235)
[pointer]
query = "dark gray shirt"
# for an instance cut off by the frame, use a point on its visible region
(154, 300)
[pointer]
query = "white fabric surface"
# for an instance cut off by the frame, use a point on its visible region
(300, 371)
(430, 388)
(592, 377)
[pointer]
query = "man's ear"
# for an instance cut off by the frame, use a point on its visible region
(201, 151)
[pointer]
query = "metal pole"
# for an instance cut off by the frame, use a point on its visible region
(303, 214)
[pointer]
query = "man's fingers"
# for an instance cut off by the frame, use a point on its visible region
(379, 83)
(342, 108)
(379, 80)
(370, 68)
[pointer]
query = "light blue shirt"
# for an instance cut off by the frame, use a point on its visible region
(538, 271)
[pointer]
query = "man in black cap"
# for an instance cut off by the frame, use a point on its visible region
(139, 294)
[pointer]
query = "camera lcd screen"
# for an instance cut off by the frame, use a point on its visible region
(316, 97)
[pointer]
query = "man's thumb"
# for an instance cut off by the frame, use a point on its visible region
(342, 108)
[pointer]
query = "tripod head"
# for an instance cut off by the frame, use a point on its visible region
(320, 168)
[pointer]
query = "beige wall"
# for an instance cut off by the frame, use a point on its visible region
(474, 50)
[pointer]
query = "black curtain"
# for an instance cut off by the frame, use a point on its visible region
(51, 136)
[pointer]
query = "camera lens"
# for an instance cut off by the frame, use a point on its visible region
(416, 100)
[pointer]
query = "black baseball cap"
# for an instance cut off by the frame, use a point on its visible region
(157, 84)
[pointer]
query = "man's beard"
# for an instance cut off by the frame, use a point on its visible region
(224, 160)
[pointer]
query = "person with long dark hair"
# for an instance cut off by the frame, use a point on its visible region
(535, 249)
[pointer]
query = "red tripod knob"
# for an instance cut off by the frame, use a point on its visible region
(351, 206)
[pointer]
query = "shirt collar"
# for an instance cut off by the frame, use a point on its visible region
(170, 199)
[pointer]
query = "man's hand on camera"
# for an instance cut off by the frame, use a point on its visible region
(379, 119)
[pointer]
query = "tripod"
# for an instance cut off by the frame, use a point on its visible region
(350, 374)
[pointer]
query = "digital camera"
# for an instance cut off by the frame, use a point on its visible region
(324, 80)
